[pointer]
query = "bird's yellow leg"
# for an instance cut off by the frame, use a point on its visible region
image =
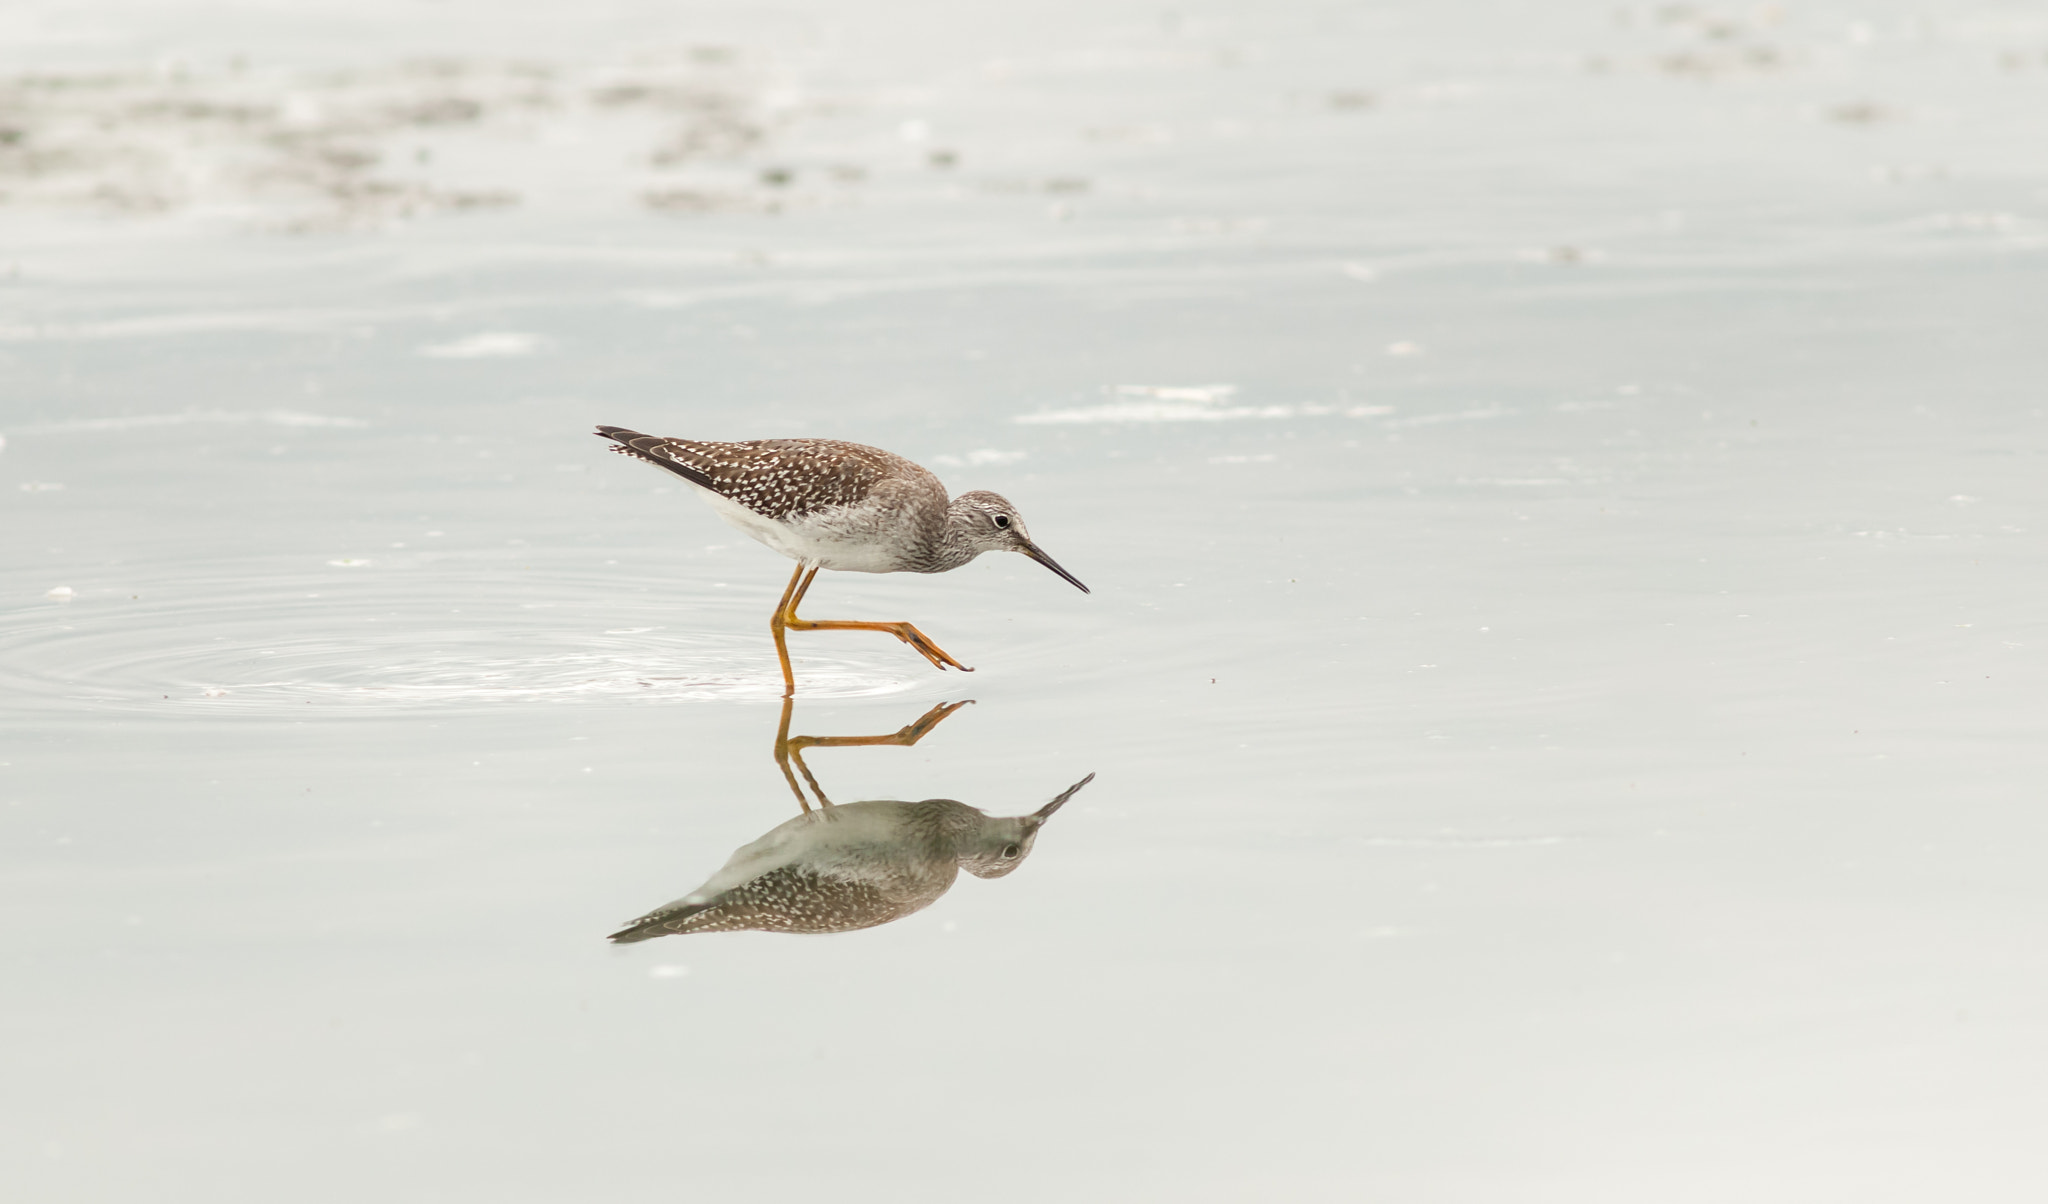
(786, 618)
(776, 623)
(790, 748)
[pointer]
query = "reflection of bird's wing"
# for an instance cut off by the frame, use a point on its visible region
(795, 899)
(785, 844)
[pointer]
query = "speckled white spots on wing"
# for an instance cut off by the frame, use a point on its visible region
(779, 478)
(844, 506)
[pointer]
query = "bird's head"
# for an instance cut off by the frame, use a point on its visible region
(987, 522)
(1004, 841)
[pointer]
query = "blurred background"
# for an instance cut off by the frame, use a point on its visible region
(1561, 485)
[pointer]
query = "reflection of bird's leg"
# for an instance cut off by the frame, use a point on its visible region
(791, 748)
(785, 617)
(903, 737)
(782, 751)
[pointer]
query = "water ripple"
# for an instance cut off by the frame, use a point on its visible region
(267, 642)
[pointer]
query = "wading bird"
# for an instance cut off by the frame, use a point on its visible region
(827, 504)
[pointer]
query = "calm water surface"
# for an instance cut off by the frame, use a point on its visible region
(1562, 489)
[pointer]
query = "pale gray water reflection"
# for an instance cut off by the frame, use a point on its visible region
(1562, 485)
(844, 867)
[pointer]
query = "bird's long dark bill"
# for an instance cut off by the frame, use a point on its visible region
(1032, 550)
(1044, 813)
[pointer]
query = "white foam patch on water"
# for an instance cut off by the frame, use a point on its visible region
(1462, 842)
(1477, 415)
(1518, 482)
(1163, 411)
(1190, 403)
(1160, 403)
(489, 344)
(982, 456)
(1154, 411)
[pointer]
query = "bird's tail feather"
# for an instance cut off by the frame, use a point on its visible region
(650, 448)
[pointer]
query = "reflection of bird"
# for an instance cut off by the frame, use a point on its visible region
(832, 505)
(851, 866)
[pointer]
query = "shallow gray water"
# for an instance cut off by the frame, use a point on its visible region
(1561, 487)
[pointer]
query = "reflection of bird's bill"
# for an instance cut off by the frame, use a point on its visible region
(1036, 553)
(1044, 813)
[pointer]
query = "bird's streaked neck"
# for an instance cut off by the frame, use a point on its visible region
(955, 543)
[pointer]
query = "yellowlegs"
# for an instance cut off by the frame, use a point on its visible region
(850, 866)
(827, 504)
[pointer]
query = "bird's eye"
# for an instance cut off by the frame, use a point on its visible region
(1002, 521)
(1010, 852)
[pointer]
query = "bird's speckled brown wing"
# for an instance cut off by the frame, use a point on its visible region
(776, 478)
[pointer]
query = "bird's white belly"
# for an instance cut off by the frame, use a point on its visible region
(811, 539)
